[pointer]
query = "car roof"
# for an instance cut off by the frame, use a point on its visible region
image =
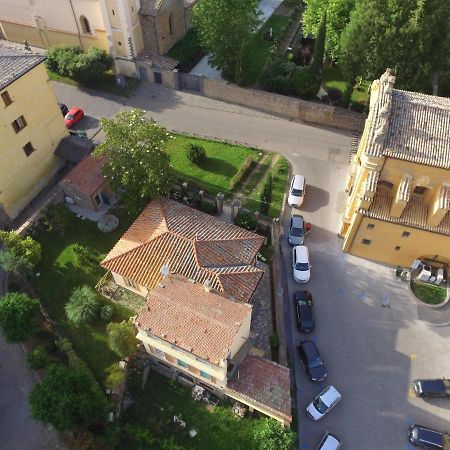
(428, 435)
(301, 252)
(310, 349)
(297, 221)
(438, 386)
(299, 181)
(329, 442)
(330, 395)
(74, 109)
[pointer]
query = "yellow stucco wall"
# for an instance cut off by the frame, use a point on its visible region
(385, 236)
(21, 176)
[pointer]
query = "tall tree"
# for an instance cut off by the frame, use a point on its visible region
(137, 165)
(338, 15)
(319, 47)
(122, 338)
(226, 29)
(381, 34)
(82, 306)
(26, 248)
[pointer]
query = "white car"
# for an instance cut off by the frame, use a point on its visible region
(300, 264)
(297, 191)
(329, 442)
(326, 400)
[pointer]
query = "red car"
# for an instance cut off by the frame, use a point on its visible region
(73, 116)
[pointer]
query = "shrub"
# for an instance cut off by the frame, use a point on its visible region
(274, 341)
(195, 153)
(59, 217)
(61, 58)
(334, 95)
(242, 172)
(115, 376)
(122, 338)
(83, 255)
(26, 248)
(266, 195)
(344, 102)
(246, 220)
(305, 83)
(208, 207)
(18, 316)
(82, 306)
(270, 435)
(106, 313)
(38, 358)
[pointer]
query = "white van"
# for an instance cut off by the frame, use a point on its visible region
(297, 191)
(329, 442)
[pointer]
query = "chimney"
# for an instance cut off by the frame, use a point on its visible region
(207, 286)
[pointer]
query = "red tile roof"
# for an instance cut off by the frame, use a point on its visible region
(191, 243)
(87, 176)
(265, 383)
(202, 323)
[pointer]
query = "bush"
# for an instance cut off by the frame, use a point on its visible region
(83, 255)
(305, 83)
(274, 341)
(266, 195)
(26, 248)
(122, 338)
(270, 435)
(246, 220)
(106, 313)
(18, 316)
(74, 62)
(195, 153)
(59, 217)
(344, 102)
(38, 358)
(208, 207)
(242, 172)
(115, 376)
(82, 306)
(334, 95)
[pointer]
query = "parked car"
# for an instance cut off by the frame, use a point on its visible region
(300, 264)
(329, 442)
(305, 311)
(425, 437)
(298, 229)
(64, 109)
(73, 116)
(323, 403)
(432, 388)
(312, 361)
(297, 191)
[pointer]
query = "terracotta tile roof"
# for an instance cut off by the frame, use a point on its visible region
(265, 383)
(87, 176)
(414, 215)
(202, 323)
(159, 61)
(191, 243)
(409, 126)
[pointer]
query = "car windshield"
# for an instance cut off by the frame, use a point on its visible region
(315, 363)
(69, 116)
(303, 267)
(320, 405)
(297, 192)
(298, 232)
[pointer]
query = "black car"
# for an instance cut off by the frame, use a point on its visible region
(64, 109)
(305, 311)
(432, 388)
(312, 361)
(428, 438)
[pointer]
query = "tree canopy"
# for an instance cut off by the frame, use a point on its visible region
(18, 316)
(137, 166)
(225, 30)
(66, 398)
(26, 248)
(82, 306)
(270, 435)
(122, 338)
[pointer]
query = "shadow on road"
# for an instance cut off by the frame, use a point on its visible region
(315, 199)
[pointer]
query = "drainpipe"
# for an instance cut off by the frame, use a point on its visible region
(76, 23)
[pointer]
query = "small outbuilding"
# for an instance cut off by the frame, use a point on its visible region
(86, 186)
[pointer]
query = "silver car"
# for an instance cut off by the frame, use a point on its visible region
(296, 230)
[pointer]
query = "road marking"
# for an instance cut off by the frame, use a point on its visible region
(362, 296)
(411, 393)
(413, 356)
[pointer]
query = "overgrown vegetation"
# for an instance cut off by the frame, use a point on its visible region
(187, 51)
(428, 293)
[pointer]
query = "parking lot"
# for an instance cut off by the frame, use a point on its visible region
(367, 329)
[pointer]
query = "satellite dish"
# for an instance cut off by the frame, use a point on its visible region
(165, 270)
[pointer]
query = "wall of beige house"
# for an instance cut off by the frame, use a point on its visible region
(384, 242)
(130, 285)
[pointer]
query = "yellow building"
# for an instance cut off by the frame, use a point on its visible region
(124, 28)
(398, 202)
(31, 127)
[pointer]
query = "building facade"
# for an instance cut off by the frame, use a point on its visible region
(398, 202)
(124, 28)
(31, 126)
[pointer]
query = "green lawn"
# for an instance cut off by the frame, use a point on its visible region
(60, 273)
(154, 407)
(106, 83)
(214, 174)
(259, 51)
(279, 181)
(255, 184)
(187, 50)
(433, 295)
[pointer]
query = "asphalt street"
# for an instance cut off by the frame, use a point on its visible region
(372, 352)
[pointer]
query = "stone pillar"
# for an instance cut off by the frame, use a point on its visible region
(176, 79)
(219, 203)
(235, 208)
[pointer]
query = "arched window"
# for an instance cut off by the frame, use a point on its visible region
(170, 25)
(85, 25)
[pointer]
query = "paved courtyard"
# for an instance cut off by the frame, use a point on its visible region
(369, 330)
